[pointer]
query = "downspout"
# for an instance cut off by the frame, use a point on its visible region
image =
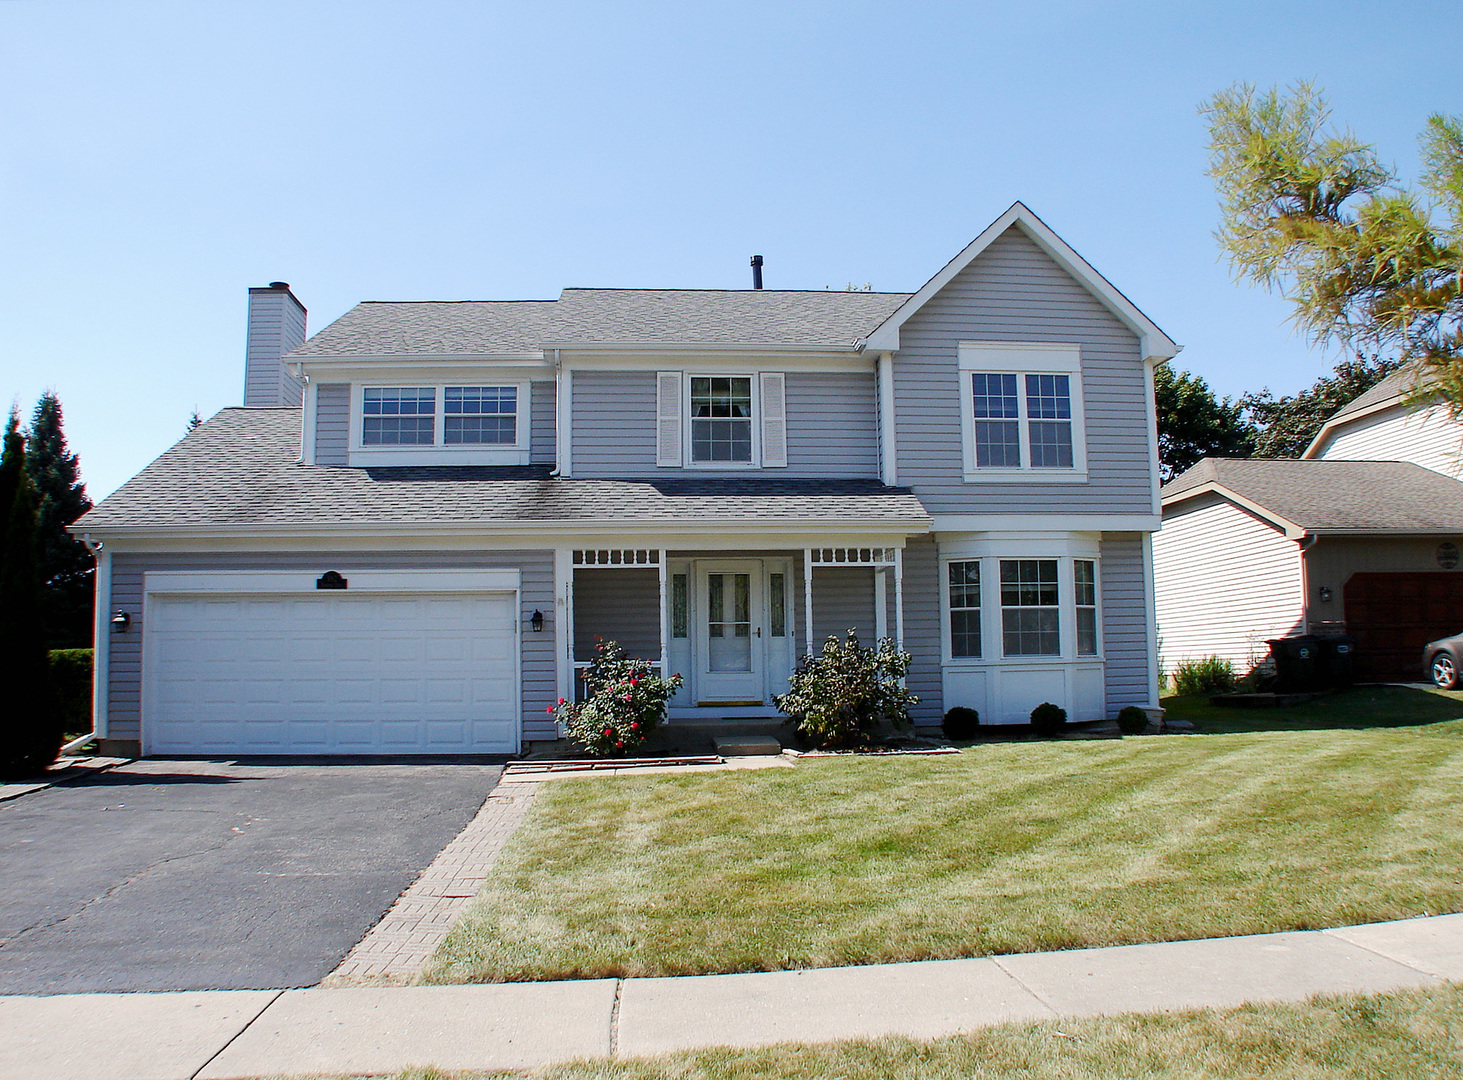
(1306, 542)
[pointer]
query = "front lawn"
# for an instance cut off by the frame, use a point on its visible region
(1006, 847)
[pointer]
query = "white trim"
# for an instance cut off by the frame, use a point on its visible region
(1150, 615)
(1150, 412)
(978, 523)
(619, 354)
(881, 603)
(563, 419)
(899, 597)
(665, 614)
(439, 452)
(808, 600)
(419, 365)
(1032, 545)
(1022, 359)
(888, 438)
(309, 418)
(373, 581)
(1292, 530)
(101, 683)
(1154, 342)
(564, 624)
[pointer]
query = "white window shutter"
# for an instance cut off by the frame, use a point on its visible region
(774, 420)
(668, 406)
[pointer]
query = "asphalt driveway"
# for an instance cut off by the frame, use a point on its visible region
(192, 875)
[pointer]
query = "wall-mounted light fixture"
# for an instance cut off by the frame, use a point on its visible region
(536, 620)
(1325, 595)
(121, 620)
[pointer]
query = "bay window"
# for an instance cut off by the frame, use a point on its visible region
(1002, 605)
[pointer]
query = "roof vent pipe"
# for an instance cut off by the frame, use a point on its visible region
(756, 271)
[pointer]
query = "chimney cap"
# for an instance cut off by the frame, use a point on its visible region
(279, 285)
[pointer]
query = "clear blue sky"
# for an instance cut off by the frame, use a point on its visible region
(156, 160)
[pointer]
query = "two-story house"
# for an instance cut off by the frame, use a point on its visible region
(1361, 535)
(425, 516)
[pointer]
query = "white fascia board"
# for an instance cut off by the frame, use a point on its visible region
(1330, 426)
(1155, 343)
(272, 581)
(1291, 529)
(1045, 523)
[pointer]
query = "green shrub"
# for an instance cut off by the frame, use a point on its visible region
(1048, 719)
(837, 698)
(1211, 675)
(961, 723)
(71, 680)
(1133, 720)
(626, 701)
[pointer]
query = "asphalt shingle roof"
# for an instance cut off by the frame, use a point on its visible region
(604, 316)
(1336, 496)
(1394, 385)
(241, 469)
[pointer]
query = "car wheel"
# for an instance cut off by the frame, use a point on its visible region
(1445, 671)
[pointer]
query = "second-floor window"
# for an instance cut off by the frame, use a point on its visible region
(721, 418)
(1022, 411)
(411, 415)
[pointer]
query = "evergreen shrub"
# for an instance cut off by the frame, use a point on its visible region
(838, 697)
(71, 681)
(1211, 675)
(1132, 720)
(1048, 719)
(961, 723)
(626, 701)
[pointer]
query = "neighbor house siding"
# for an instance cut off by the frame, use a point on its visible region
(922, 632)
(1331, 561)
(1226, 582)
(1426, 437)
(541, 421)
(832, 426)
(332, 423)
(537, 592)
(1014, 292)
(1124, 622)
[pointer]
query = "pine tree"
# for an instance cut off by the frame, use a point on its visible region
(66, 565)
(30, 719)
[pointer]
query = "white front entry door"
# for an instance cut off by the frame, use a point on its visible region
(730, 633)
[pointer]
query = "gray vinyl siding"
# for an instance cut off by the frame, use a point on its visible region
(843, 600)
(1014, 292)
(332, 423)
(1124, 621)
(540, 683)
(276, 325)
(832, 426)
(922, 629)
(541, 423)
(617, 605)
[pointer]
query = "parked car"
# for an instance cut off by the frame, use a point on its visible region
(1443, 659)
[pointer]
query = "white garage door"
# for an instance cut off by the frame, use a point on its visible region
(331, 673)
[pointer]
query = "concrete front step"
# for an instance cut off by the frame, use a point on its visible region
(746, 745)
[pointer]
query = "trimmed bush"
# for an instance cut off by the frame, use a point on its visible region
(961, 723)
(626, 702)
(1048, 719)
(71, 680)
(1211, 675)
(838, 697)
(1132, 720)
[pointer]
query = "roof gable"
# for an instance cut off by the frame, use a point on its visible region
(1155, 343)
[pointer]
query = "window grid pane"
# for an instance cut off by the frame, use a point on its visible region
(1030, 624)
(777, 603)
(1051, 444)
(398, 416)
(721, 419)
(1084, 577)
(995, 396)
(678, 605)
(1049, 397)
(964, 608)
(480, 414)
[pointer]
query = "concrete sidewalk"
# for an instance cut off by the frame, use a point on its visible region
(224, 1034)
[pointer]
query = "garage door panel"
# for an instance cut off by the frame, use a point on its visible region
(1393, 615)
(331, 673)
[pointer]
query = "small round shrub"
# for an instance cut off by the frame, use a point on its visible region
(961, 723)
(1048, 719)
(1132, 720)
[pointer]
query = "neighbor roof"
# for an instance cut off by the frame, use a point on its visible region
(770, 317)
(1323, 496)
(241, 470)
(1395, 385)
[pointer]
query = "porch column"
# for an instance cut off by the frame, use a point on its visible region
(899, 597)
(881, 603)
(665, 619)
(808, 600)
(564, 621)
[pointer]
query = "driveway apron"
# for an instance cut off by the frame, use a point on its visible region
(194, 875)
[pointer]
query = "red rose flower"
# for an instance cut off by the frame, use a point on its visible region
(634, 725)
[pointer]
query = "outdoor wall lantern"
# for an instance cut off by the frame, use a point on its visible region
(536, 620)
(1325, 595)
(121, 621)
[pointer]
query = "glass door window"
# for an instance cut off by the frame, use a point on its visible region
(729, 622)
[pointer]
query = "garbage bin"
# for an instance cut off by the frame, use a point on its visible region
(1334, 662)
(1297, 670)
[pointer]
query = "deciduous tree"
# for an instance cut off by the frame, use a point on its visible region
(1194, 423)
(1285, 426)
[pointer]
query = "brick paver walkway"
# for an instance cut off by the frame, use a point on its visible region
(398, 947)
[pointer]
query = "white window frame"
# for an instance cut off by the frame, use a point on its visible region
(992, 638)
(440, 452)
(1021, 359)
(754, 422)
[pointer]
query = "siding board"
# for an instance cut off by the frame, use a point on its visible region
(541, 423)
(1124, 621)
(1426, 437)
(332, 423)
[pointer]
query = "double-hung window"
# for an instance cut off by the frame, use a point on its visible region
(1030, 608)
(1084, 580)
(441, 424)
(1021, 411)
(480, 415)
(721, 419)
(965, 609)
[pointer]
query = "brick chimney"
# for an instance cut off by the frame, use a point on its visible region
(276, 325)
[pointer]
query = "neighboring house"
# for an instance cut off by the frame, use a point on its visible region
(427, 514)
(1361, 536)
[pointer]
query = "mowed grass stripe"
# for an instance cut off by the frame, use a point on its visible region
(1005, 848)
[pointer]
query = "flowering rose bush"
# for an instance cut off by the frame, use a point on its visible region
(838, 697)
(626, 701)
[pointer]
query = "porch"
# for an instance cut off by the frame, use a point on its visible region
(732, 623)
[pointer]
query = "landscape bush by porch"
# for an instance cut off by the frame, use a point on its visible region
(1048, 719)
(1132, 720)
(626, 703)
(961, 723)
(1211, 675)
(838, 697)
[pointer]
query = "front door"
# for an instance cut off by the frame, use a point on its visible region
(729, 633)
